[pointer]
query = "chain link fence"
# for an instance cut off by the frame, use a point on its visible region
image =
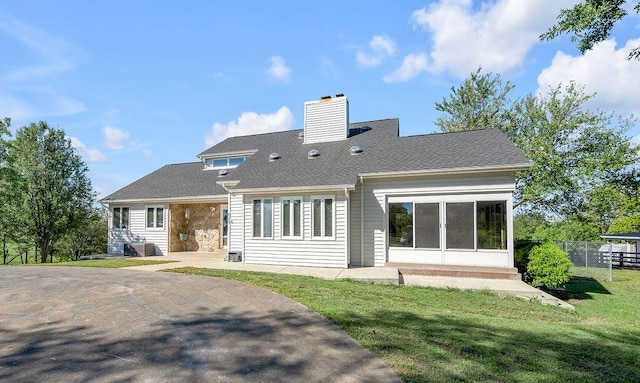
(590, 259)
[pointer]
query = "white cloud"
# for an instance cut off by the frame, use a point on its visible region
(278, 71)
(636, 140)
(496, 35)
(604, 70)
(251, 123)
(412, 65)
(114, 138)
(381, 48)
(329, 68)
(150, 154)
(89, 155)
(50, 49)
(28, 92)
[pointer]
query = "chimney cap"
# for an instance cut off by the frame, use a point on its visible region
(325, 98)
(340, 95)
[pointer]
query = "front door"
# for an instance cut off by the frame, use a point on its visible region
(224, 224)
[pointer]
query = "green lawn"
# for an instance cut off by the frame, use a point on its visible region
(439, 335)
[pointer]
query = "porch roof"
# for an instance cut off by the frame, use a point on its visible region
(169, 182)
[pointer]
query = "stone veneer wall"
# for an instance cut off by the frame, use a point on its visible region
(204, 225)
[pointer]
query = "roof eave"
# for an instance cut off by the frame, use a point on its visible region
(221, 197)
(445, 171)
(296, 189)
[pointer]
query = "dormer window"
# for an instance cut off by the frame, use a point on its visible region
(223, 163)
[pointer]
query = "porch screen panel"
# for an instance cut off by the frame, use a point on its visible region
(427, 223)
(460, 225)
(401, 224)
(492, 225)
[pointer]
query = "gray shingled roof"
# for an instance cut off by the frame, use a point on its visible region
(383, 152)
(172, 181)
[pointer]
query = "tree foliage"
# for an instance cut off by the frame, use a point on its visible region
(480, 102)
(52, 190)
(626, 224)
(591, 22)
(583, 161)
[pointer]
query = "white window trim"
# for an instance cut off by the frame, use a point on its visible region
(262, 236)
(155, 215)
(291, 216)
(322, 236)
(120, 224)
(227, 166)
(443, 200)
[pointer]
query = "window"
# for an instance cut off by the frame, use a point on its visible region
(427, 222)
(120, 219)
(322, 217)
(155, 217)
(222, 163)
(401, 224)
(459, 223)
(491, 224)
(474, 225)
(291, 217)
(262, 218)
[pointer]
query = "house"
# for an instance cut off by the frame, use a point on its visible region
(334, 194)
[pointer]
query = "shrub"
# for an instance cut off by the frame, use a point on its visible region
(548, 266)
(522, 248)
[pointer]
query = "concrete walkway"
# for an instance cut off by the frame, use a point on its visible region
(385, 274)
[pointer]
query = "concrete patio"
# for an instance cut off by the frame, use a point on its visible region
(387, 274)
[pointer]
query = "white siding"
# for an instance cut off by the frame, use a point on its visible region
(326, 120)
(137, 230)
(307, 251)
(377, 191)
(236, 223)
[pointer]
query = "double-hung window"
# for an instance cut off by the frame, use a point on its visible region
(322, 217)
(291, 213)
(263, 218)
(155, 217)
(120, 218)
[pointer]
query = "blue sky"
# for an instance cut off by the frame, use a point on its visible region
(140, 84)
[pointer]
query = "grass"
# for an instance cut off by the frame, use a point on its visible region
(446, 335)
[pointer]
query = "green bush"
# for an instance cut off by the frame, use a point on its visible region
(522, 248)
(548, 266)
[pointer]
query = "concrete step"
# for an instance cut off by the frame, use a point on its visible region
(454, 271)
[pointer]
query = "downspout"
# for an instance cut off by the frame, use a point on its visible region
(361, 221)
(347, 227)
(229, 219)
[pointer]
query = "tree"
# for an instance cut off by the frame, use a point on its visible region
(55, 194)
(90, 238)
(581, 160)
(590, 22)
(627, 224)
(5, 217)
(482, 101)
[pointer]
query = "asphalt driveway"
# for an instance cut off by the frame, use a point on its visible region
(63, 324)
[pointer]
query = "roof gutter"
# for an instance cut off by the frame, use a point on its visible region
(448, 171)
(164, 199)
(297, 189)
